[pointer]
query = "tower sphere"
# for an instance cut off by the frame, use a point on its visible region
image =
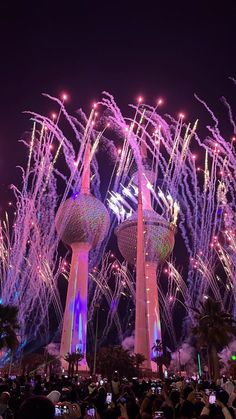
(83, 219)
(159, 237)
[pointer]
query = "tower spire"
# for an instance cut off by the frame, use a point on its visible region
(85, 181)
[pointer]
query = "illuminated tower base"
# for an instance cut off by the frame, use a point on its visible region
(154, 322)
(141, 336)
(158, 241)
(74, 333)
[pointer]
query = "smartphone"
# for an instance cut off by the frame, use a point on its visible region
(61, 410)
(212, 397)
(57, 410)
(153, 389)
(65, 410)
(109, 398)
(91, 411)
(158, 414)
(159, 390)
(101, 382)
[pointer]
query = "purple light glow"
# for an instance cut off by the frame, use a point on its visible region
(198, 204)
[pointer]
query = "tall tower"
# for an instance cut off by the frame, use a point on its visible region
(141, 338)
(81, 223)
(158, 236)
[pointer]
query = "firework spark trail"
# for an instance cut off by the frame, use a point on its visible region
(111, 293)
(167, 321)
(230, 113)
(203, 205)
(32, 275)
(30, 265)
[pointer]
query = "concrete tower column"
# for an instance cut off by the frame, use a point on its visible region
(74, 332)
(153, 310)
(141, 344)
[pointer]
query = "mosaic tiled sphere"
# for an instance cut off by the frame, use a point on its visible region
(159, 237)
(82, 220)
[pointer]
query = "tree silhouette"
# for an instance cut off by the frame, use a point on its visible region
(73, 360)
(8, 327)
(162, 357)
(113, 358)
(214, 328)
(138, 360)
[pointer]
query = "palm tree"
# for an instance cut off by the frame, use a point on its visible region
(214, 328)
(51, 363)
(8, 327)
(162, 357)
(69, 357)
(31, 362)
(78, 357)
(138, 360)
(73, 360)
(113, 358)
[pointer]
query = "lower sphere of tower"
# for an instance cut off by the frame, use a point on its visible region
(159, 237)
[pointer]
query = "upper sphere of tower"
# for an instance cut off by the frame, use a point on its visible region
(159, 237)
(84, 219)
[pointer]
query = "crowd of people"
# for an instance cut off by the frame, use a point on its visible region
(79, 397)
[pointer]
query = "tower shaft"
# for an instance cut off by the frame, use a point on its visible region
(74, 333)
(153, 310)
(141, 344)
(154, 323)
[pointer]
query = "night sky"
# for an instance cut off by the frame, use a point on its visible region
(155, 48)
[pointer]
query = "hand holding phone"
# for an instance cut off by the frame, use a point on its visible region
(61, 410)
(91, 411)
(158, 414)
(109, 398)
(57, 410)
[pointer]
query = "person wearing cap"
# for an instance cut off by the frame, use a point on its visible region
(54, 396)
